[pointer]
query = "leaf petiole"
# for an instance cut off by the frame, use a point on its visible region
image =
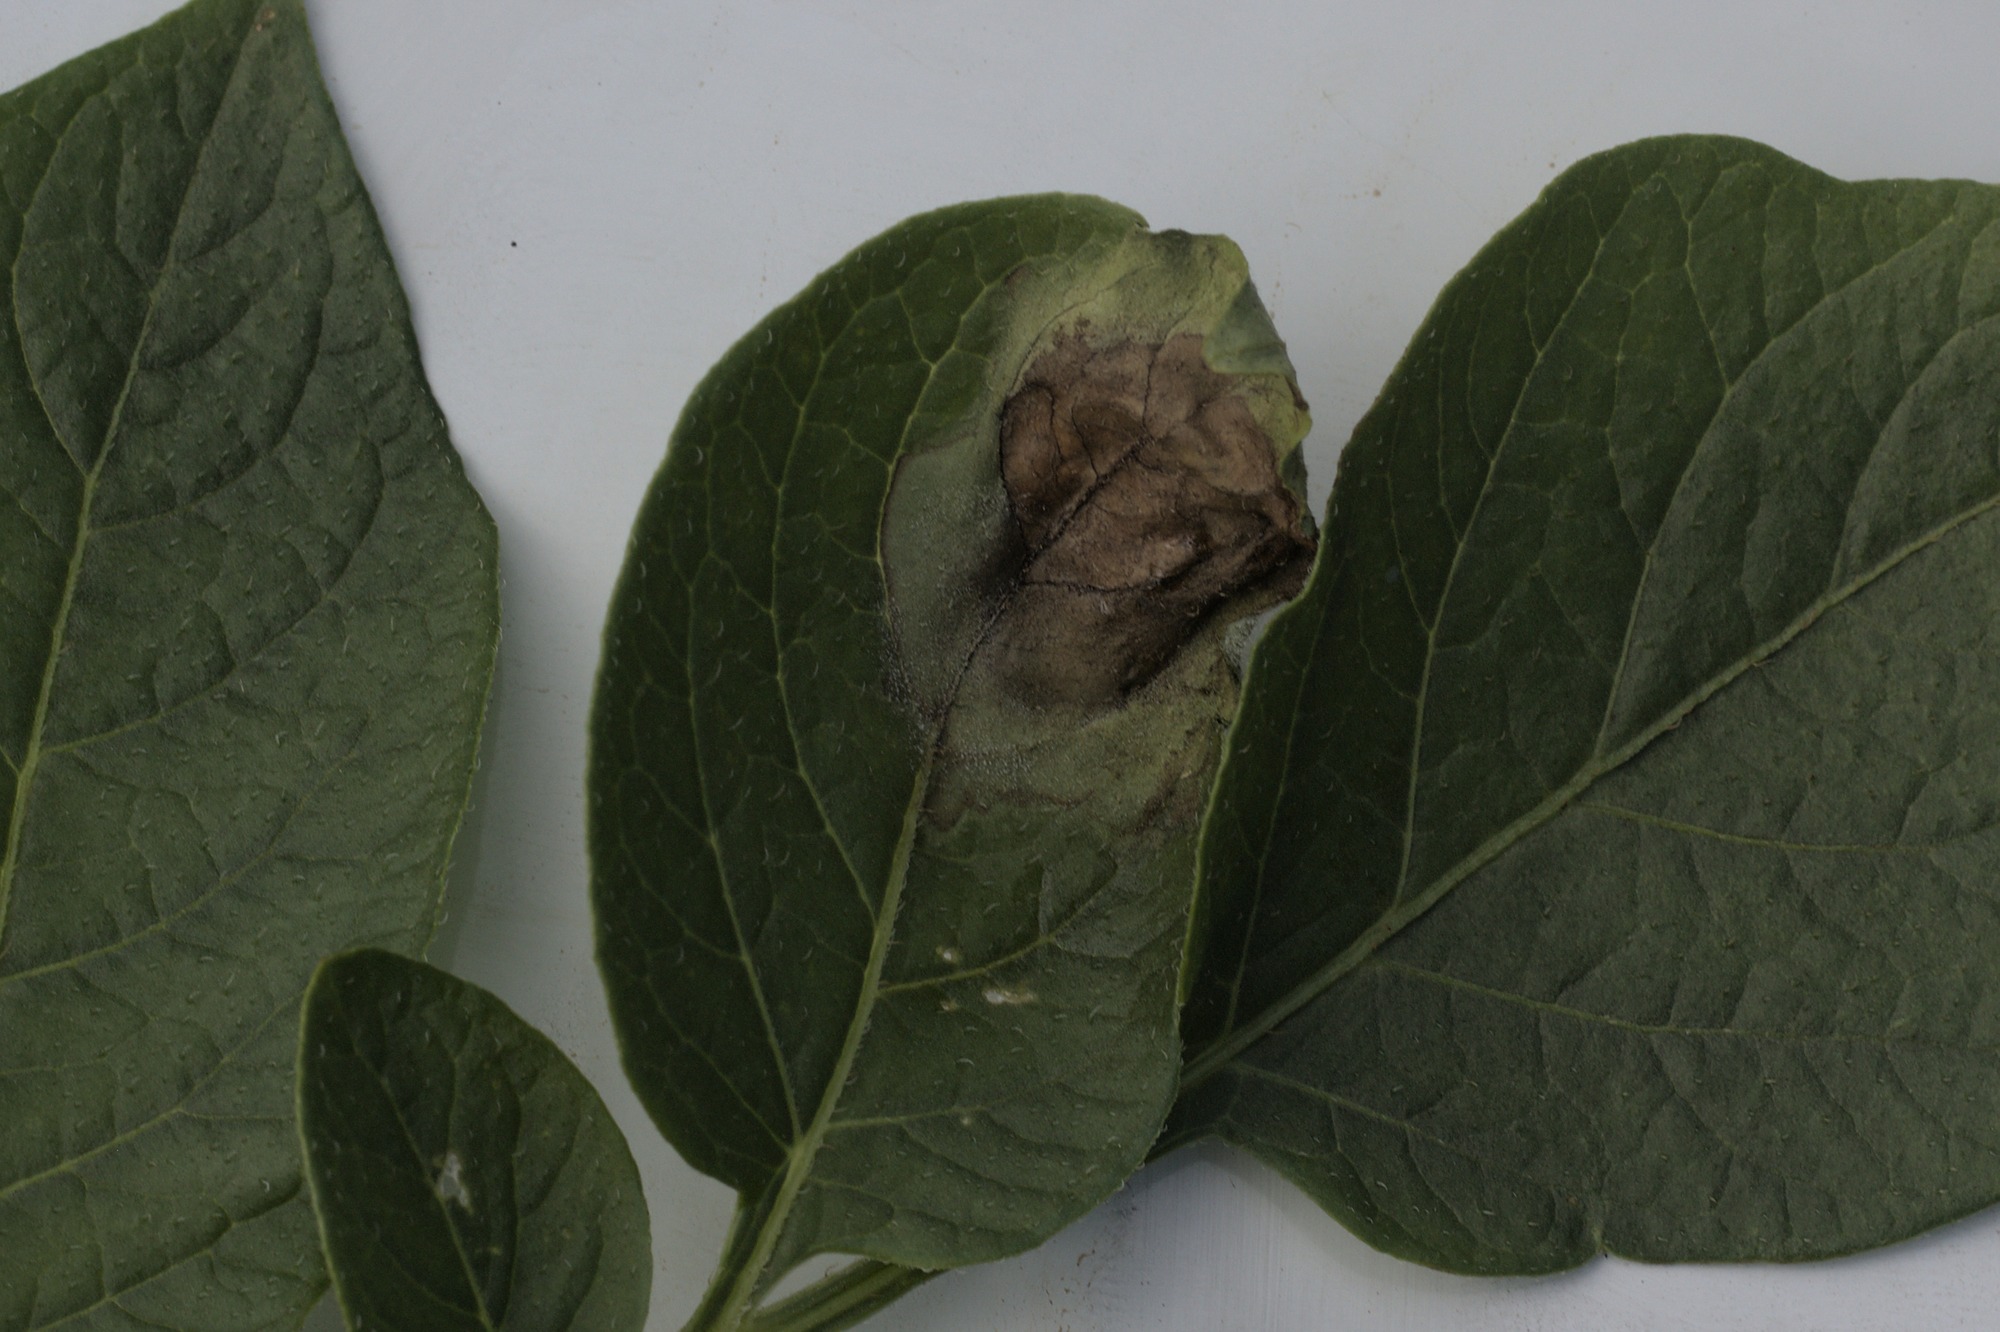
(840, 1299)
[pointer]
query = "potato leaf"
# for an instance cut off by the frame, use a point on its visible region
(247, 620)
(912, 689)
(1606, 858)
(464, 1173)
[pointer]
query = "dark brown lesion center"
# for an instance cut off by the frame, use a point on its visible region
(1147, 499)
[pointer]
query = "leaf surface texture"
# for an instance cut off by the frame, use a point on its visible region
(247, 619)
(1605, 858)
(465, 1175)
(896, 768)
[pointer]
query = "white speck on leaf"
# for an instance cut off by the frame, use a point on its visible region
(450, 1186)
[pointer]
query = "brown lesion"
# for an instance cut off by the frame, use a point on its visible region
(1147, 497)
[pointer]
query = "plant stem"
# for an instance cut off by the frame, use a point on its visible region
(721, 1306)
(839, 1300)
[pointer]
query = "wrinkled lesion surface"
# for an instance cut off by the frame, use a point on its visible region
(1147, 497)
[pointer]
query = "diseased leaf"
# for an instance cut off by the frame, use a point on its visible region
(248, 625)
(912, 687)
(464, 1173)
(1606, 857)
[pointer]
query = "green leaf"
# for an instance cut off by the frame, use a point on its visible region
(912, 688)
(1606, 857)
(248, 625)
(465, 1174)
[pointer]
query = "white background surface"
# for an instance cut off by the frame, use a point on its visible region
(590, 199)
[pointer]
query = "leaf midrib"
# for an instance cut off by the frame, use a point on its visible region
(422, 1172)
(31, 754)
(737, 1290)
(1392, 923)
(736, 1307)
(804, 1152)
